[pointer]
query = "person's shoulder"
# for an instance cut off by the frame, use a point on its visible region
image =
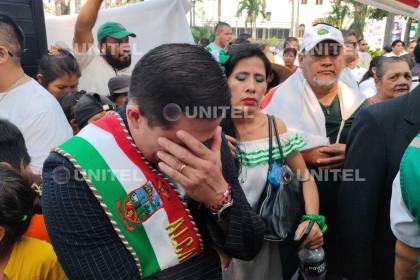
(55, 159)
(389, 108)
(44, 250)
(38, 98)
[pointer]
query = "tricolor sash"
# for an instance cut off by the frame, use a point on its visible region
(144, 209)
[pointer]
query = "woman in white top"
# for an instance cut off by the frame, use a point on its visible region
(247, 70)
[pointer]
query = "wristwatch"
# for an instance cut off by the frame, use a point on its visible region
(224, 203)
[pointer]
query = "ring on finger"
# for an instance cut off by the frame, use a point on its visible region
(182, 167)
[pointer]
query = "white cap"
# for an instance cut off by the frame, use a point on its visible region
(319, 33)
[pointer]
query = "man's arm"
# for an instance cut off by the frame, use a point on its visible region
(406, 261)
(358, 198)
(83, 37)
(244, 230)
(83, 238)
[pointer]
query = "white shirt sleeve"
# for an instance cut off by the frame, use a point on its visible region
(403, 224)
(44, 132)
(84, 59)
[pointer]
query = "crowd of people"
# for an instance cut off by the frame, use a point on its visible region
(111, 169)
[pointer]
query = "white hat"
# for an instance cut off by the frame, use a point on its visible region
(319, 33)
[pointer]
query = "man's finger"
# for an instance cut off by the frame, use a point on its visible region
(217, 141)
(174, 174)
(330, 160)
(181, 153)
(198, 148)
(174, 163)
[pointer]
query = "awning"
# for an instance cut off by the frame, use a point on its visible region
(409, 8)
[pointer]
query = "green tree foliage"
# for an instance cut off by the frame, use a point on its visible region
(252, 8)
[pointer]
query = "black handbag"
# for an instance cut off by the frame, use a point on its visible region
(281, 207)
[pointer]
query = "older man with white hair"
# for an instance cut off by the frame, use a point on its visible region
(319, 105)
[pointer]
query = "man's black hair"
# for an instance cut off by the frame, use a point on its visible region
(219, 25)
(11, 36)
(12, 146)
(177, 76)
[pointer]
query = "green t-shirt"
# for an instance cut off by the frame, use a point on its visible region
(333, 120)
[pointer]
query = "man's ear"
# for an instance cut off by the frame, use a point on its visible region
(40, 78)
(4, 56)
(133, 115)
(74, 126)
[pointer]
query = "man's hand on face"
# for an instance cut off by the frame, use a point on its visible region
(326, 157)
(197, 168)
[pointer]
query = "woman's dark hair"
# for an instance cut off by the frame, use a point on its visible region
(173, 78)
(241, 51)
(12, 146)
(395, 42)
(290, 50)
(52, 67)
(289, 40)
(373, 63)
(237, 53)
(17, 201)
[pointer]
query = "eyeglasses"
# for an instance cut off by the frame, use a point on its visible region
(351, 44)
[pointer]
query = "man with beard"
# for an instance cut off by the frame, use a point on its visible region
(112, 58)
(322, 107)
(392, 79)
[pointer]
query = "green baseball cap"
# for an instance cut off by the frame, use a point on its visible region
(114, 30)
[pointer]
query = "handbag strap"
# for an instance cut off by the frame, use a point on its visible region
(270, 143)
(276, 132)
(270, 160)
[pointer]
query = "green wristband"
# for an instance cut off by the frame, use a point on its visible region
(319, 219)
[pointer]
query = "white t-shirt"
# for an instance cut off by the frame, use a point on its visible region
(368, 87)
(365, 59)
(96, 72)
(39, 117)
(358, 73)
(348, 78)
(403, 224)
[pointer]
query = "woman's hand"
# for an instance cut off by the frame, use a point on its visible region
(315, 238)
(232, 144)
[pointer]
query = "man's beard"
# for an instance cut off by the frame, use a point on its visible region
(325, 84)
(116, 63)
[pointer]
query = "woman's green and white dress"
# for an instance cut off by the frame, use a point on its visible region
(253, 157)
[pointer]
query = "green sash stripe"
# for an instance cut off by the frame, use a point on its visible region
(88, 157)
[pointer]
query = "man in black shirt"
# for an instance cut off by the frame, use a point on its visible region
(189, 149)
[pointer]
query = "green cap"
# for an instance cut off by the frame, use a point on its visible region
(114, 30)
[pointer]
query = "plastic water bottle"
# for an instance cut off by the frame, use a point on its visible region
(312, 264)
